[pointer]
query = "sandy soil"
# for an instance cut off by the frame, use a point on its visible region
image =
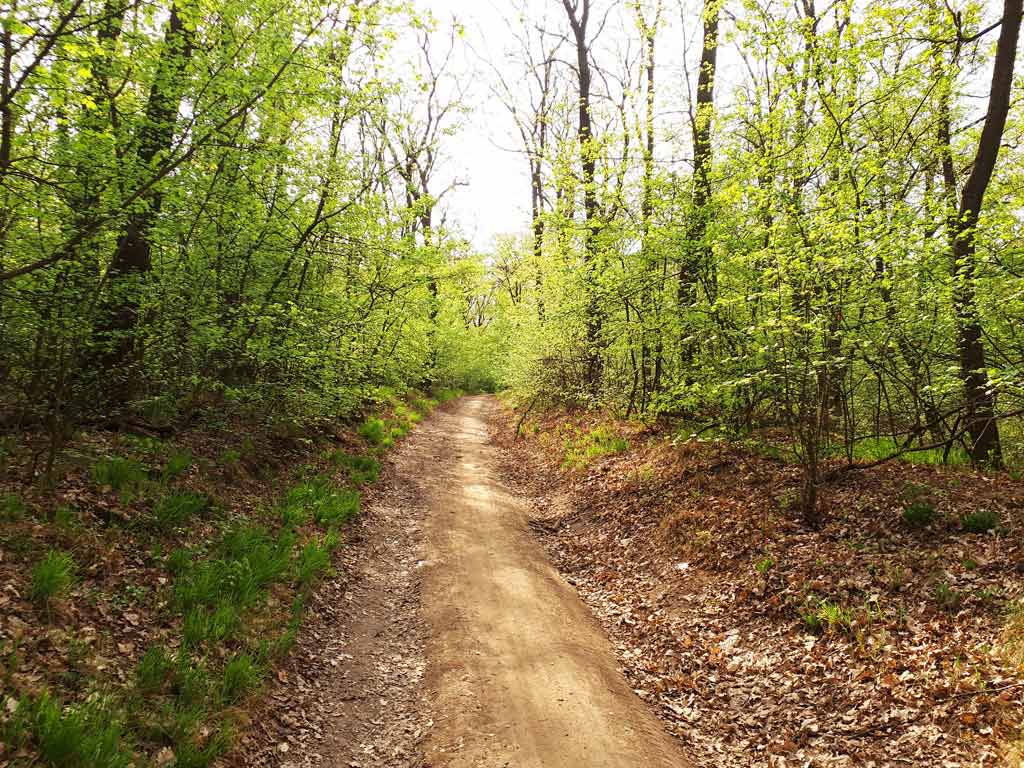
(518, 671)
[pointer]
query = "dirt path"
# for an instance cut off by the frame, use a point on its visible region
(518, 671)
(447, 640)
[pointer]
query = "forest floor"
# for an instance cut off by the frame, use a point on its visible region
(591, 594)
(892, 635)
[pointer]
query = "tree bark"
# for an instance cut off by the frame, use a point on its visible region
(979, 399)
(132, 258)
(698, 260)
(579, 16)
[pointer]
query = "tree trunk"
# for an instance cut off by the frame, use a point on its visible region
(979, 399)
(698, 260)
(132, 258)
(579, 15)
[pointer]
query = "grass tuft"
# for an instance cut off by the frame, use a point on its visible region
(980, 521)
(919, 514)
(51, 577)
(118, 474)
(90, 735)
(176, 509)
(600, 441)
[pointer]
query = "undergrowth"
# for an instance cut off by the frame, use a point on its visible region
(223, 593)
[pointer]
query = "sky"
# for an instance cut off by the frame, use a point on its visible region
(483, 155)
(493, 195)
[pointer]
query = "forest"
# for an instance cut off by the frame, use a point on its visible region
(229, 249)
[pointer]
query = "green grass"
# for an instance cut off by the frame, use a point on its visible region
(177, 465)
(374, 431)
(980, 521)
(313, 561)
(600, 441)
(241, 675)
(12, 508)
(362, 470)
(319, 498)
(824, 615)
(947, 597)
(51, 577)
(877, 448)
(119, 474)
(176, 509)
(919, 514)
(154, 671)
(90, 735)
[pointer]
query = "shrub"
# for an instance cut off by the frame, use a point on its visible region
(176, 509)
(51, 577)
(919, 514)
(86, 736)
(240, 676)
(980, 521)
(374, 431)
(118, 474)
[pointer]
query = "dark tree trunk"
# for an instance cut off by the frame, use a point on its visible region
(132, 258)
(980, 414)
(698, 259)
(579, 16)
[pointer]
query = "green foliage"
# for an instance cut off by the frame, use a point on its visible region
(980, 521)
(764, 565)
(118, 474)
(241, 675)
(919, 514)
(313, 561)
(154, 670)
(176, 509)
(51, 577)
(362, 470)
(600, 441)
(177, 464)
(90, 735)
(318, 497)
(947, 597)
(66, 519)
(230, 459)
(12, 508)
(374, 431)
(825, 616)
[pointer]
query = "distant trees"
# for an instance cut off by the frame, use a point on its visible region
(842, 269)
